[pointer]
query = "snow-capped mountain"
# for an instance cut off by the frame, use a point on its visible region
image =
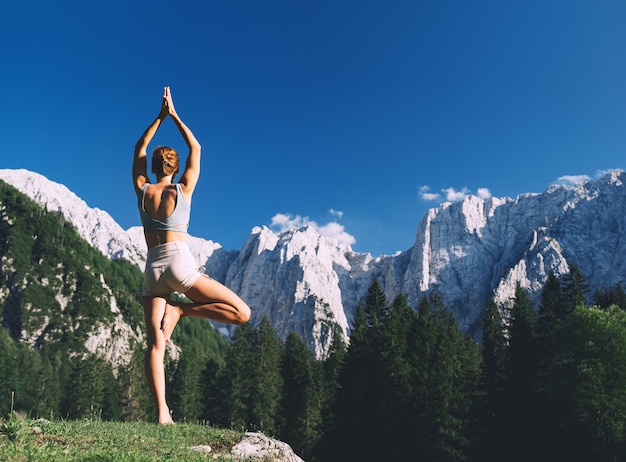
(465, 251)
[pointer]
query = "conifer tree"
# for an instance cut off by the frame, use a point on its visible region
(186, 399)
(444, 386)
(331, 371)
(522, 344)
(553, 311)
(357, 411)
(8, 371)
(523, 379)
(213, 395)
(266, 379)
(87, 393)
(37, 392)
(135, 399)
(397, 372)
(358, 408)
(110, 407)
(495, 376)
(472, 394)
(331, 368)
(47, 389)
(236, 382)
(62, 367)
(610, 296)
(301, 401)
(575, 288)
(375, 307)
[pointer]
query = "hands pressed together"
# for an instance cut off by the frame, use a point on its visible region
(167, 104)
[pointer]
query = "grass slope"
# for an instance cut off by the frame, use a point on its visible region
(94, 440)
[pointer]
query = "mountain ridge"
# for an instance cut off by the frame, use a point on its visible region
(467, 252)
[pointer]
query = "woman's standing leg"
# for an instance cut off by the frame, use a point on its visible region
(211, 300)
(154, 310)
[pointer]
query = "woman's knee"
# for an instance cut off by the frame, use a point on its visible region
(242, 314)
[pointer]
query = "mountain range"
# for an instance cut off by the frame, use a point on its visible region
(467, 252)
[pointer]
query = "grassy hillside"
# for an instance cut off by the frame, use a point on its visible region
(91, 440)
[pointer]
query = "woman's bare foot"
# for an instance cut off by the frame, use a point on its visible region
(166, 418)
(170, 319)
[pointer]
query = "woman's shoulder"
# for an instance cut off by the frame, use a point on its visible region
(185, 191)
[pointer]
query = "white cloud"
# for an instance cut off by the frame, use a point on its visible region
(450, 194)
(284, 222)
(426, 195)
(601, 173)
(336, 231)
(337, 213)
(572, 179)
(453, 195)
(484, 193)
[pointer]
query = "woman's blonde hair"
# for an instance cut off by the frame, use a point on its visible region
(165, 161)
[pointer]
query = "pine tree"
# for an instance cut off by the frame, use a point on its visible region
(522, 345)
(575, 288)
(213, 395)
(9, 368)
(331, 368)
(37, 392)
(186, 399)
(62, 366)
(358, 399)
(236, 382)
(553, 311)
(110, 407)
(135, 399)
(375, 307)
(495, 376)
(523, 379)
(397, 372)
(331, 372)
(301, 400)
(610, 296)
(47, 389)
(87, 393)
(267, 382)
(444, 385)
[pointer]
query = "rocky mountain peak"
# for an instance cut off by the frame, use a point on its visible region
(467, 252)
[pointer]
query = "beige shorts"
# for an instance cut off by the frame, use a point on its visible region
(170, 267)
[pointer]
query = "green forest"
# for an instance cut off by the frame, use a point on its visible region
(545, 382)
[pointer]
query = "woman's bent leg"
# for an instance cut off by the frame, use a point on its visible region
(211, 300)
(154, 310)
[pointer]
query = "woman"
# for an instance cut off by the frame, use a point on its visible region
(164, 208)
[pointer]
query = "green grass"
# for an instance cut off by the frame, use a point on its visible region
(94, 440)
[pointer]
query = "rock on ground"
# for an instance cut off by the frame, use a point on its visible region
(258, 445)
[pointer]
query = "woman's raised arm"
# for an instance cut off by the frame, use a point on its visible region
(140, 158)
(190, 175)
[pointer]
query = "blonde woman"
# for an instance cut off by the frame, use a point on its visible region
(164, 207)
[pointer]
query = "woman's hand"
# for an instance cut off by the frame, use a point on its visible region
(164, 112)
(168, 102)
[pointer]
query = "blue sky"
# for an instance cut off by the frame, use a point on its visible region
(357, 116)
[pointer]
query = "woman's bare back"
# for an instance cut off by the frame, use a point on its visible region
(160, 200)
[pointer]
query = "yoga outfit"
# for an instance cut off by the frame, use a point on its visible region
(178, 220)
(170, 267)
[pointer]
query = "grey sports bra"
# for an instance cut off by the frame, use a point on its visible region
(178, 220)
